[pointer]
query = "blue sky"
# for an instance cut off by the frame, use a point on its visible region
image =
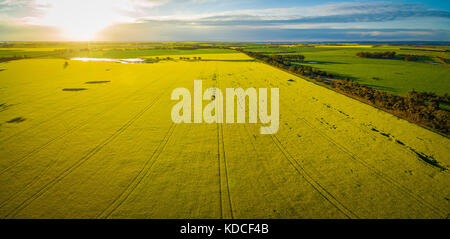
(225, 20)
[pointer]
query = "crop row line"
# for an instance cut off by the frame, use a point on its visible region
(80, 162)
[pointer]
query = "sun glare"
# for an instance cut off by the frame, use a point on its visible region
(80, 20)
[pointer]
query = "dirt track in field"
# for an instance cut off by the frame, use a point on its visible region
(112, 151)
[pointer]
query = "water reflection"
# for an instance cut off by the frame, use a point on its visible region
(124, 61)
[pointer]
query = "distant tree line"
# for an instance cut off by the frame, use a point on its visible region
(418, 107)
(188, 58)
(21, 57)
(410, 57)
(285, 62)
(419, 49)
(387, 55)
(194, 47)
(276, 52)
(291, 58)
(443, 60)
(13, 58)
(377, 55)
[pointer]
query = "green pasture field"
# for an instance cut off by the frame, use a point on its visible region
(104, 50)
(96, 140)
(429, 73)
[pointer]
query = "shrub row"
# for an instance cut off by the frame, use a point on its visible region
(418, 107)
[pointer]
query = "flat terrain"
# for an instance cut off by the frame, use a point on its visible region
(95, 140)
(430, 73)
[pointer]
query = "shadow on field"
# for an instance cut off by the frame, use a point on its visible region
(16, 120)
(429, 159)
(74, 89)
(4, 106)
(383, 88)
(97, 82)
(324, 62)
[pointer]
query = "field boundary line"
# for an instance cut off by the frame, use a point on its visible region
(315, 82)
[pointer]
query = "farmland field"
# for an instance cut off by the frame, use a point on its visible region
(96, 140)
(396, 76)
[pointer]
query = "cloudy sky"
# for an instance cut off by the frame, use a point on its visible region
(224, 20)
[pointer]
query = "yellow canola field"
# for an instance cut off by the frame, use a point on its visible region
(108, 148)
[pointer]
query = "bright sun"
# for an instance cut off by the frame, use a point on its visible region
(80, 20)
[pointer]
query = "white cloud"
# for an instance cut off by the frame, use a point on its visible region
(339, 12)
(392, 33)
(82, 19)
(77, 19)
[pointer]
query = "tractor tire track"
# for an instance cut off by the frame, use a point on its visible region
(387, 178)
(49, 119)
(314, 183)
(143, 173)
(222, 160)
(39, 176)
(310, 180)
(377, 172)
(253, 144)
(54, 117)
(81, 161)
(69, 131)
(218, 168)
